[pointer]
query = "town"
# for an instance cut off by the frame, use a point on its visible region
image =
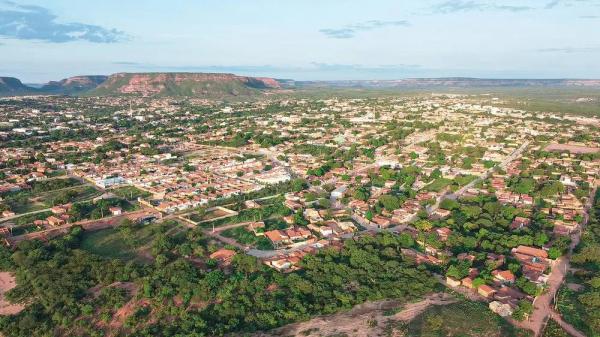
(489, 199)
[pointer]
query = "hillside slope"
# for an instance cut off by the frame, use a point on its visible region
(205, 85)
(74, 85)
(12, 86)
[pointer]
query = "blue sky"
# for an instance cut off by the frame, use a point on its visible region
(304, 40)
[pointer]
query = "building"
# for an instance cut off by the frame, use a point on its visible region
(486, 291)
(115, 210)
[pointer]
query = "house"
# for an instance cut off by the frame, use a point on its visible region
(298, 233)
(504, 276)
(115, 210)
(322, 230)
(338, 193)
(277, 237)
(293, 205)
(312, 215)
(382, 222)
(440, 213)
(486, 291)
(466, 256)
(281, 264)
(58, 210)
(452, 282)
(223, 256)
(443, 233)
(534, 262)
(54, 221)
(467, 282)
(531, 251)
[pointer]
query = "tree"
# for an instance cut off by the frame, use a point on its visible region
(361, 194)
(389, 202)
(299, 184)
(423, 225)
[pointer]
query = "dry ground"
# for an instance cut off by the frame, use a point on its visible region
(7, 282)
(368, 319)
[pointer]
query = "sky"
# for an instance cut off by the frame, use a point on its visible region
(43, 40)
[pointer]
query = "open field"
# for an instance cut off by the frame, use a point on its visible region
(438, 315)
(464, 319)
(130, 192)
(29, 201)
(123, 243)
(572, 148)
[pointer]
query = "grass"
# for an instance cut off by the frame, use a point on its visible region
(463, 319)
(35, 202)
(122, 243)
(208, 215)
(438, 184)
(241, 235)
(130, 193)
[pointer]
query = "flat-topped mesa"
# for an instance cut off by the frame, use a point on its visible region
(184, 84)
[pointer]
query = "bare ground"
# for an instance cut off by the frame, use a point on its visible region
(368, 319)
(8, 282)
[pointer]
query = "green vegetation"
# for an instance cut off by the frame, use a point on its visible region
(463, 319)
(243, 236)
(250, 297)
(230, 87)
(130, 193)
(47, 193)
(253, 214)
(123, 242)
(582, 308)
(554, 330)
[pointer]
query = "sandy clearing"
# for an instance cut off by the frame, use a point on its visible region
(8, 282)
(368, 319)
(572, 148)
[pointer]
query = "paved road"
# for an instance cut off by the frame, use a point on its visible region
(489, 172)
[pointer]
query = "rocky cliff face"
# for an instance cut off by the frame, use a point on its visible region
(184, 84)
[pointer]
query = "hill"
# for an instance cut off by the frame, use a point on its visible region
(13, 86)
(205, 85)
(74, 85)
(449, 82)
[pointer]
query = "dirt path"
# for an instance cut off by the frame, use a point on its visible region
(7, 282)
(543, 308)
(566, 326)
(366, 319)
